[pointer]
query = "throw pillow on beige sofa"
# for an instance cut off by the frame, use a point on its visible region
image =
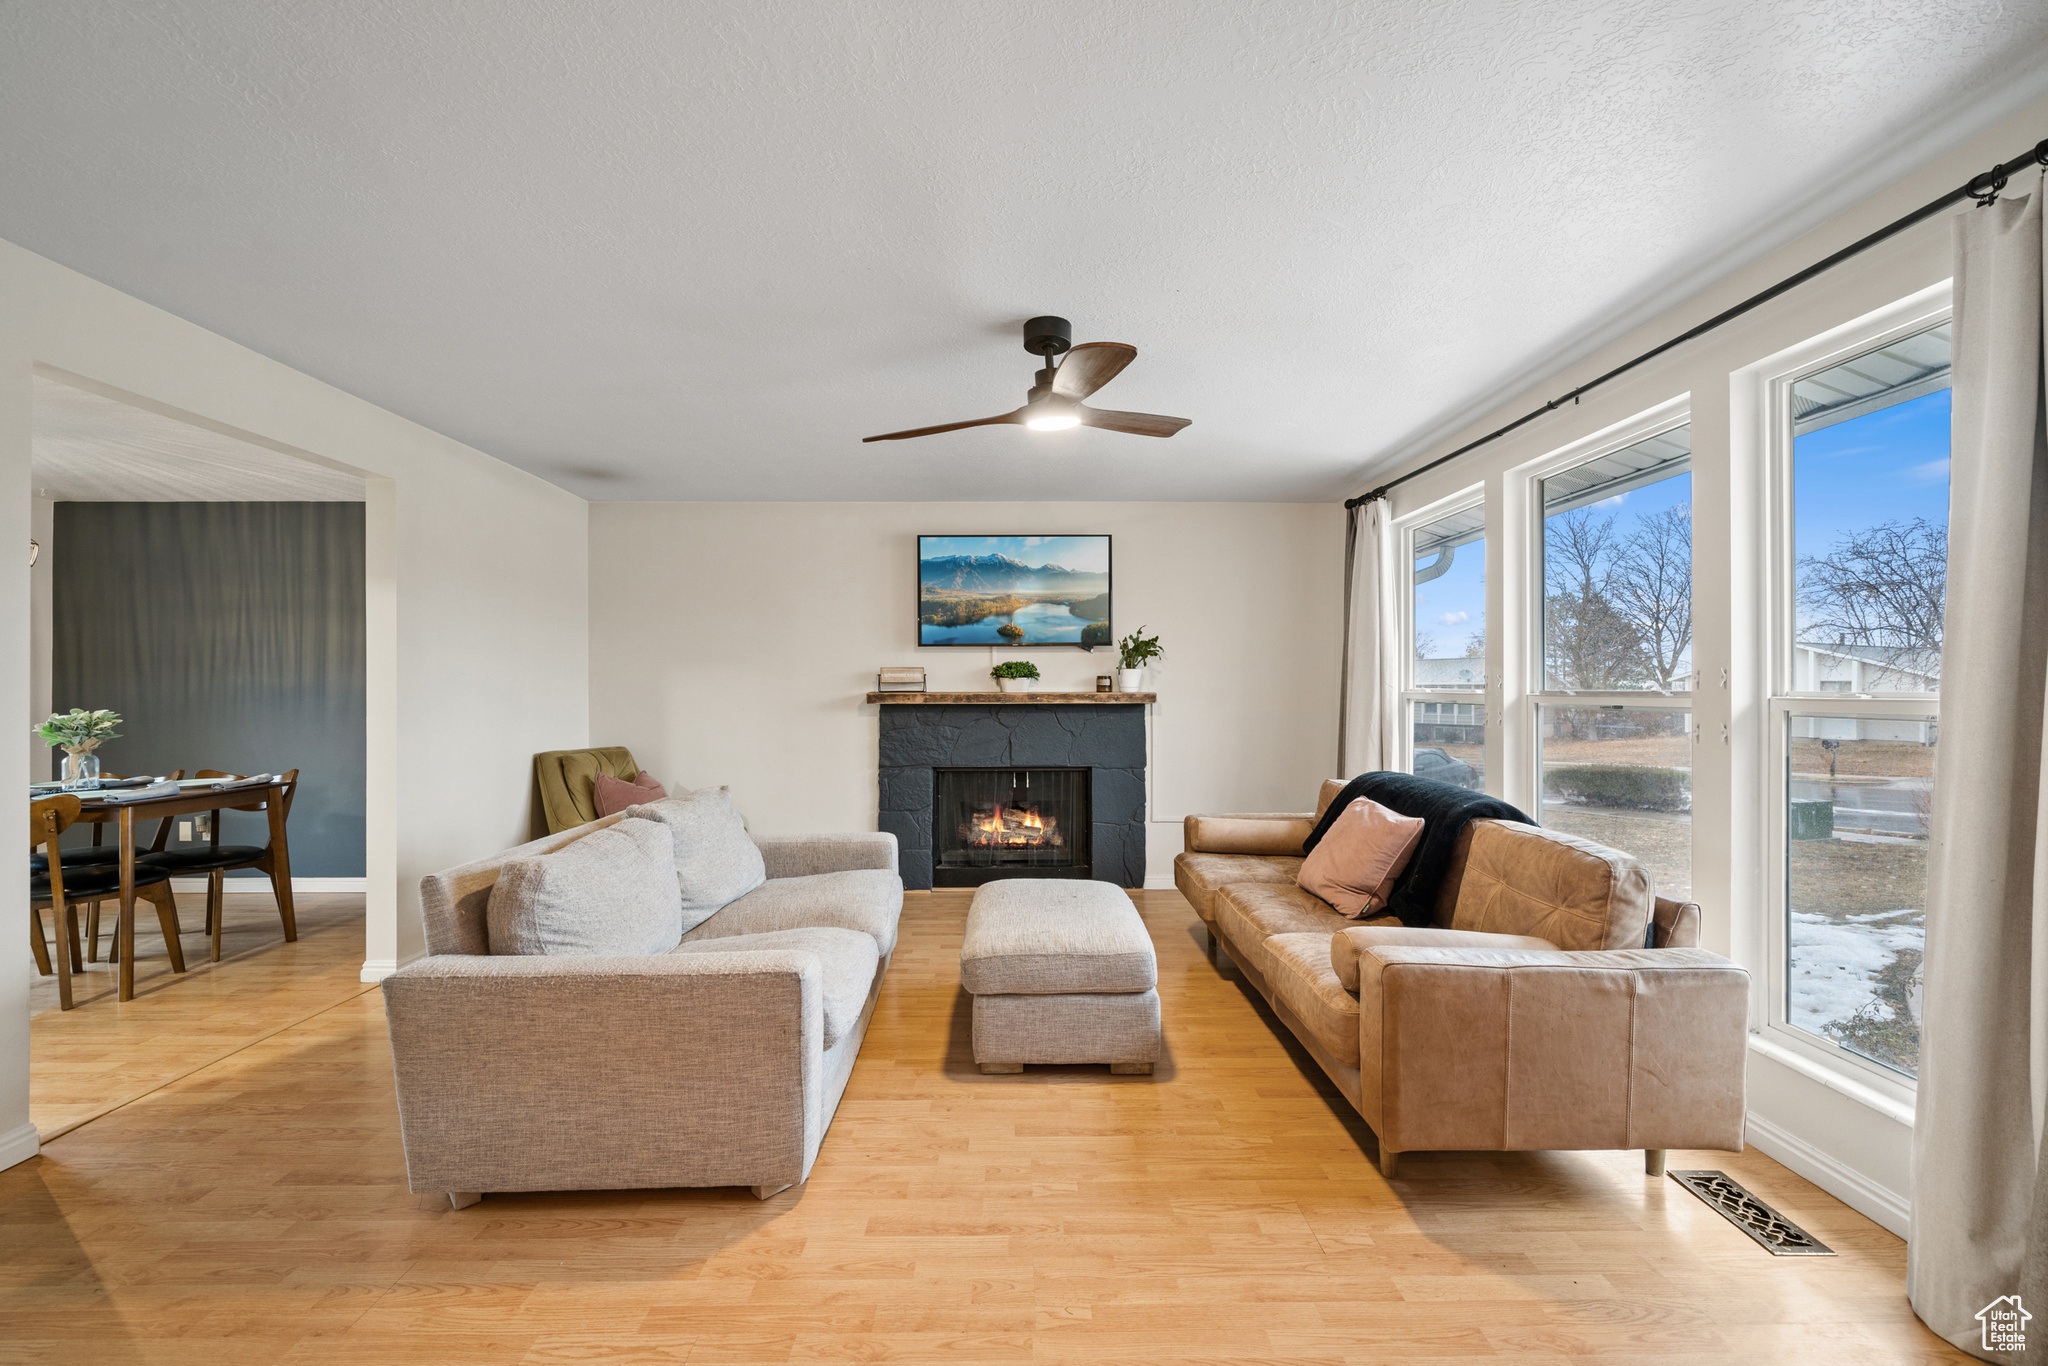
(611, 892)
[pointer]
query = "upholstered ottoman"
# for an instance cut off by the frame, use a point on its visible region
(1061, 972)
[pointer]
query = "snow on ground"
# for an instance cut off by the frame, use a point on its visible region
(1833, 960)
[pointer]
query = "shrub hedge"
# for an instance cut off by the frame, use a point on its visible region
(1628, 786)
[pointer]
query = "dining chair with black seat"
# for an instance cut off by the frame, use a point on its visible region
(64, 890)
(96, 853)
(216, 860)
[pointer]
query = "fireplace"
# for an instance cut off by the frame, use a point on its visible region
(990, 823)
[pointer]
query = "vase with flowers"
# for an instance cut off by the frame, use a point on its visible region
(79, 733)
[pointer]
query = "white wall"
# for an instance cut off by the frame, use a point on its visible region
(732, 643)
(477, 611)
(1852, 1139)
(42, 526)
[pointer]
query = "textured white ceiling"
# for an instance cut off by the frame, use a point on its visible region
(650, 249)
(88, 448)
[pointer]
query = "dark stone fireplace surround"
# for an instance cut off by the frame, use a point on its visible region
(1109, 740)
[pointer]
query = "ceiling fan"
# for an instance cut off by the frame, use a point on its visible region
(1054, 403)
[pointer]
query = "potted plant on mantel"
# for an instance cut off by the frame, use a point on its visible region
(1133, 651)
(1015, 675)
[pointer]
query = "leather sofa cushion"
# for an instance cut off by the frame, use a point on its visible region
(1523, 879)
(1250, 913)
(848, 958)
(1304, 981)
(1279, 834)
(1346, 945)
(1201, 876)
(865, 899)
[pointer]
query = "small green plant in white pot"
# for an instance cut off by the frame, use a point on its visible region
(1015, 675)
(1134, 652)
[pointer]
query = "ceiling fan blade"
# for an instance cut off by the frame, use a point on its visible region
(1089, 366)
(1137, 424)
(946, 427)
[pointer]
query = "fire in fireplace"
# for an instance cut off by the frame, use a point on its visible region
(990, 823)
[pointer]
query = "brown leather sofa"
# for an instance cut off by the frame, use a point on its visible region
(1557, 1003)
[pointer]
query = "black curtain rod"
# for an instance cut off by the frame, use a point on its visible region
(1982, 188)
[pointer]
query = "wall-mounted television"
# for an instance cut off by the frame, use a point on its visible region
(1013, 590)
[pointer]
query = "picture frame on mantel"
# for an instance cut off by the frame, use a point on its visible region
(1015, 591)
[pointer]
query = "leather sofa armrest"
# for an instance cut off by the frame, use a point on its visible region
(576, 1073)
(1347, 945)
(1503, 1049)
(1675, 924)
(803, 855)
(1265, 833)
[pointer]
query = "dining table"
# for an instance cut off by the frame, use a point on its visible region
(193, 795)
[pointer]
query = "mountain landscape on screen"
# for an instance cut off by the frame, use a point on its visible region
(1013, 590)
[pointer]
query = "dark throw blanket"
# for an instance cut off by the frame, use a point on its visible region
(1444, 810)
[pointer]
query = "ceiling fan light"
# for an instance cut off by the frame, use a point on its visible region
(1054, 421)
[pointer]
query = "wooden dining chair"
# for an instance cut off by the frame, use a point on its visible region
(217, 859)
(50, 886)
(111, 853)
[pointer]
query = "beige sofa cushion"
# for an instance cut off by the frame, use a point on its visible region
(1036, 938)
(1347, 945)
(715, 863)
(611, 892)
(865, 899)
(1201, 876)
(1304, 981)
(1249, 913)
(848, 958)
(1523, 879)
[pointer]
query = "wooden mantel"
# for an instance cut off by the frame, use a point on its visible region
(984, 699)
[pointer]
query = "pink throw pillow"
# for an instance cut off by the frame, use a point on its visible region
(1354, 865)
(614, 795)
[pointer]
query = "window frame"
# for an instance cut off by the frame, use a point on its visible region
(1667, 416)
(1404, 529)
(1768, 385)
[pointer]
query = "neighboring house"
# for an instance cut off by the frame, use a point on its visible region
(1450, 722)
(1851, 669)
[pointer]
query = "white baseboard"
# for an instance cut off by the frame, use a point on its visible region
(377, 969)
(262, 884)
(1159, 882)
(19, 1145)
(1879, 1204)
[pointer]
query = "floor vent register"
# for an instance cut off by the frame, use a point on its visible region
(1778, 1235)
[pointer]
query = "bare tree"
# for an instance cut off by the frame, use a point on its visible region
(1587, 644)
(1425, 645)
(1475, 644)
(1881, 587)
(1652, 589)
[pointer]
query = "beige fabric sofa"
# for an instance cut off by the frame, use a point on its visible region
(1557, 1003)
(717, 1064)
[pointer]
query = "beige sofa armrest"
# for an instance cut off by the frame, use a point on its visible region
(1676, 924)
(1346, 946)
(1266, 833)
(1508, 1050)
(603, 1073)
(803, 855)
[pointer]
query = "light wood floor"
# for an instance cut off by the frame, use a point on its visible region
(1223, 1210)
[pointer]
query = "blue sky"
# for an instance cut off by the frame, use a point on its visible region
(1448, 609)
(1075, 552)
(1884, 466)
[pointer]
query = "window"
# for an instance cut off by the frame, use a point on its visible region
(1447, 646)
(1861, 452)
(1612, 607)
(1617, 570)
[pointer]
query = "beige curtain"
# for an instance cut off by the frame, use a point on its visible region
(1369, 708)
(1979, 1212)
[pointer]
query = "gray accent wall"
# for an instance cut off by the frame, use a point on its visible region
(229, 636)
